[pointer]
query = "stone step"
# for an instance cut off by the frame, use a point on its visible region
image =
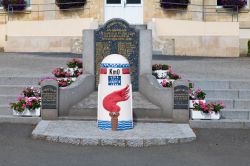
(87, 133)
(232, 104)
(228, 93)
(221, 84)
(94, 118)
(5, 110)
(7, 99)
(235, 114)
(143, 109)
(222, 123)
(13, 89)
(17, 119)
(20, 80)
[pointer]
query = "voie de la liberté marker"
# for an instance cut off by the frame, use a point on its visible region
(115, 94)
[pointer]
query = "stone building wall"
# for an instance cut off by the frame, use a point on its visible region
(47, 10)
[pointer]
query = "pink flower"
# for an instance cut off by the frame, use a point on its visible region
(19, 98)
(67, 75)
(201, 102)
(26, 98)
(29, 103)
(23, 106)
(198, 90)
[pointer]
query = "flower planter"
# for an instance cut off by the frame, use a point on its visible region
(27, 112)
(167, 80)
(161, 73)
(199, 115)
(192, 102)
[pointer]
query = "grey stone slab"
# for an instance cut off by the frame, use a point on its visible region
(21, 80)
(247, 124)
(134, 142)
(88, 51)
(87, 133)
(16, 119)
(242, 104)
(145, 62)
(222, 94)
(90, 142)
(240, 84)
(7, 99)
(206, 84)
(235, 114)
(244, 94)
(223, 123)
(113, 142)
(69, 140)
(5, 110)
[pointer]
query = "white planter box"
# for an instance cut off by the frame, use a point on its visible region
(167, 80)
(27, 112)
(192, 102)
(198, 115)
(161, 73)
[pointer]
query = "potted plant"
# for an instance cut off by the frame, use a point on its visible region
(167, 83)
(210, 111)
(74, 63)
(28, 104)
(64, 82)
(173, 76)
(15, 5)
(166, 4)
(196, 96)
(67, 4)
(233, 4)
(161, 70)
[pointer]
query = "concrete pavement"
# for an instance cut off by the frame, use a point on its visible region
(214, 147)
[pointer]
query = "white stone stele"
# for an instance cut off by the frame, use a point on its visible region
(199, 115)
(27, 112)
(192, 102)
(115, 63)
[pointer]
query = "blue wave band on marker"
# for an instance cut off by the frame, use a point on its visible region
(122, 125)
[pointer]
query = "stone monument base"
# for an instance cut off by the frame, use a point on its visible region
(86, 133)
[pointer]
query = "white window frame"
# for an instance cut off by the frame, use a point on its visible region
(221, 7)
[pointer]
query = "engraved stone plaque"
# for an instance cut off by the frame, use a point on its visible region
(181, 97)
(117, 37)
(49, 97)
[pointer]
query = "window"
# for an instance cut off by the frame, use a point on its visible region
(240, 3)
(113, 1)
(133, 1)
(28, 6)
(1, 7)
